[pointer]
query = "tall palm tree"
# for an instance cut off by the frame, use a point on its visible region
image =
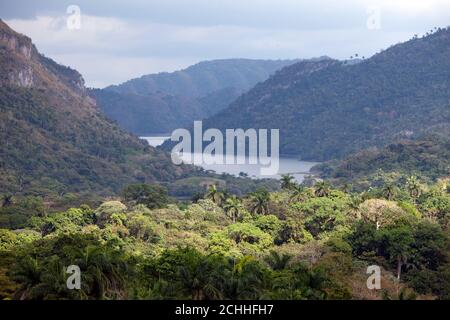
(389, 191)
(214, 195)
(260, 202)
(232, 207)
(322, 189)
(355, 201)
(287, 181)
(413, 186)
(298, 193)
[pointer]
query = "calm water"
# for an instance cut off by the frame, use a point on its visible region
(287, 165)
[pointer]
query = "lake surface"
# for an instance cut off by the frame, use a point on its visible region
(288, 165)
(156, 141)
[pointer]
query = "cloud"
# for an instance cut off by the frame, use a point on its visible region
(119, 40)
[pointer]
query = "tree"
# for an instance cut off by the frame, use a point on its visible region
(380, 212)
(298, 193)
(354, 203)
(398, 243)
(232, 207)
(278, 261)
(214, 195)
(413, 186)
(322, 189)
(151, 195)
(389, 191)
(287, 181)
(198, 278)
(321, 214)
(110, 212)
(259, 202)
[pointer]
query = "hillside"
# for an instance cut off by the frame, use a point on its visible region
(427, 158)
(160, 103)
(328, 109)
(53, 137)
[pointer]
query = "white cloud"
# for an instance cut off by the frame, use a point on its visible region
(118, 41)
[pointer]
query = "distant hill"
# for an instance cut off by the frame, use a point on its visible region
(427, 158)
(160, 103)
(205, 77)
(53, 139)
(330, 108)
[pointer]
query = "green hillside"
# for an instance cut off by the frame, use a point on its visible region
(427, 158)
(328, 109)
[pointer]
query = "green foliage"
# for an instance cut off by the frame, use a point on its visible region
(322, 214)
(311, 246)
(269, 224)
(110, 212)
(152, 196)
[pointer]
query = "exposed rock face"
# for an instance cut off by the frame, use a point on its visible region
(21, 46)
(22, 78)
(20, 72)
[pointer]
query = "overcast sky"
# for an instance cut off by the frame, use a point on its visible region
(119, 40)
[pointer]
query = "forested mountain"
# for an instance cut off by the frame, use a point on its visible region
(160, 103)
(53, 137)
(328, 109)
(205, 77)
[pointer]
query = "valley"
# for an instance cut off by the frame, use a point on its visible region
(89, 183)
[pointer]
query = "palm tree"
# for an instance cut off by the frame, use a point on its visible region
(104, 272)
(232, 207)
(413, 186)
(322, 189)
(260, 202)
(214, 195)
(28, 273)
(298, 194)
(389, 191)
(198, 280)
(355, 201)
(287, 181)
(278, 261)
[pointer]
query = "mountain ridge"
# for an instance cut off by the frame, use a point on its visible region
(160, 103)
(330, 112)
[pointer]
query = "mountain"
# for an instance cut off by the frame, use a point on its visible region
(205, 77)
(54, 139)
(330, 108)
(160, 103)
(148, 114)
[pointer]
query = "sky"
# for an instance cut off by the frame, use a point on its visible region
(110, 42)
